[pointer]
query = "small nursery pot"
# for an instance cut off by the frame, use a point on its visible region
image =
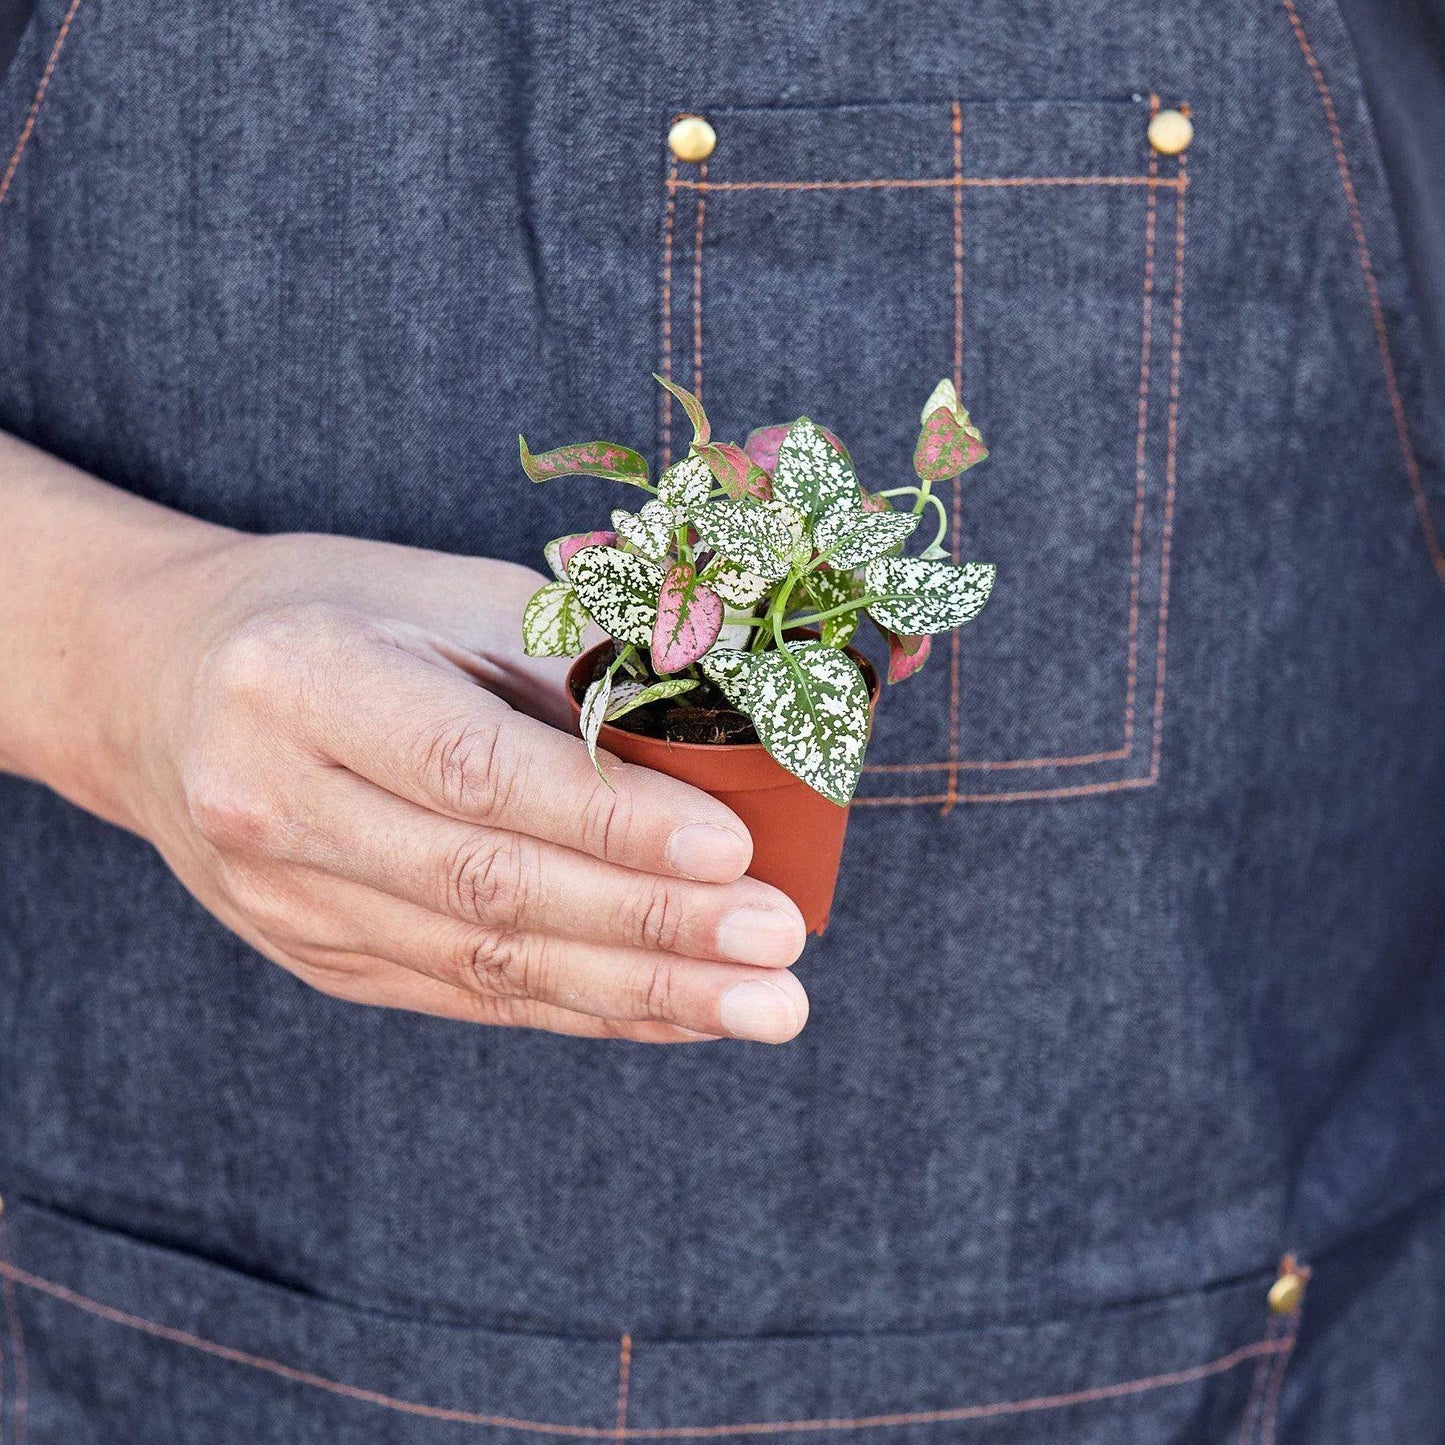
(797, 833)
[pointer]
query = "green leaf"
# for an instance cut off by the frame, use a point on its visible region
(592, 459)
(809, 705)
(760, 538)
(737, 473)
(812, 474)
(650, 530)
(685, 485)
(620, 591)
(554, 623)
(627, 696)
(926, 596)
(851, 537)
(736, 586)
(701, 428)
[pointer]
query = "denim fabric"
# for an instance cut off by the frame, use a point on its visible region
(1135, 978)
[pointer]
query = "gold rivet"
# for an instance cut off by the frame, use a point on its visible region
(692, 139)
(1287, 1293)
(1170, 132)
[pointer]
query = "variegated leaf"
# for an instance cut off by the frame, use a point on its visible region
(736, 587)
(737, 473)
(763, 443)
(627, 696)
(685, 484)
(619, 590)
(560, 550)
(701, 428)
(809, 705)
(594, 713)
(813, 475)
(906, 655)
(826, 589)
(650, 530)
(592, 459)
(554, 623)
(689, 618)
(756, 537)
(946, 447)
(851, 537)
(922, 596)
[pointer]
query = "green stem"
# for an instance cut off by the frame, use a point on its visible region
(847, 607)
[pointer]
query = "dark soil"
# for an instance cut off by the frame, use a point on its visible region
(703, 715)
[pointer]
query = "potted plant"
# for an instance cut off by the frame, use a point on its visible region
(729, 598)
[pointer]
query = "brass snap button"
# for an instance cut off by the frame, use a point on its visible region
(1170, 132)
(692, 139)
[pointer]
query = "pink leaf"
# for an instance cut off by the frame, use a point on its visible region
(945, 449)
(739, 475)
(689, 619)
(763, 443)
(593, 459)
(570, 546)
(873, 503)
(701, 427)
(906, 655)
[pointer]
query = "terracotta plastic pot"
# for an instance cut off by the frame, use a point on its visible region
(797, 833)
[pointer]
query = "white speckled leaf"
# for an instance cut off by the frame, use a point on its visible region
(736, 586)
(685, 485)
(554, 623)
(619, 589)
(826, 589)
(927, 596)
(812, 475)
(650, 530)
(629, 695)
(594, 711)
(809, 706)
(757, 537)
(851, 536)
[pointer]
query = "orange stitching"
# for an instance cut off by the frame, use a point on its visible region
(1082, 790)
(1097, 1393)
(930, 183)
(697, 290)
(1273, 1329)
(1141, 451)
(955, 521)
(1170, 470)
(1276, 1386)
(999, 765)
(667, 234)
(28, 129)
(624, 1372)
(1377, 310)
(17, 1343)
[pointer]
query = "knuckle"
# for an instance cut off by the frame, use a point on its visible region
(487, 881)
(607, 821)
(230, 813)
(469, 766)
(659, 918)
(499, 965)
(656, 992)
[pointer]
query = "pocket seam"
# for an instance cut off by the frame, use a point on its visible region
(953, 765)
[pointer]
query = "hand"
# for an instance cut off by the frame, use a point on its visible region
(340, 749)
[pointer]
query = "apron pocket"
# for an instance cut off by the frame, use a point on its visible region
(109, 1338)
(1032, 251)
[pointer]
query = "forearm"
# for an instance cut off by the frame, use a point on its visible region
(72, 551)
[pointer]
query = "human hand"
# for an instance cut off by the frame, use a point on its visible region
(340, 749)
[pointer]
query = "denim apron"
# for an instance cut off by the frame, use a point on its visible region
(1136, 982)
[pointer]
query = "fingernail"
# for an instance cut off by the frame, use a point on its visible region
(708, 853)
(760, 1011)
(761, 936)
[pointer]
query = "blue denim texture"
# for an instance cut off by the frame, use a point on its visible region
(1135, 979)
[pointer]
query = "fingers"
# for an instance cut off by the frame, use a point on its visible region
(437, 739)
(512, 883)
(766, 1005)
